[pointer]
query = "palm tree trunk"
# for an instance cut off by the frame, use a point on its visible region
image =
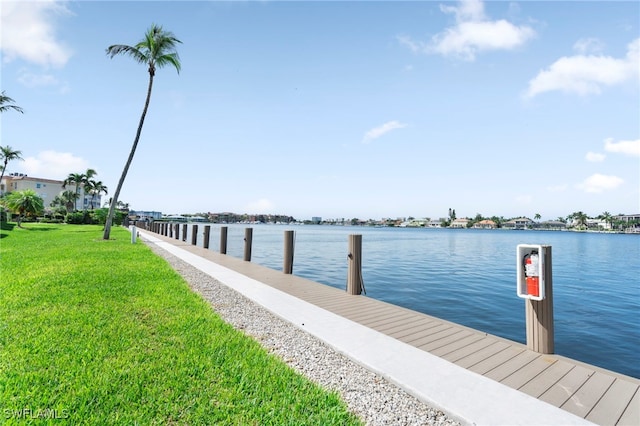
(114, 201)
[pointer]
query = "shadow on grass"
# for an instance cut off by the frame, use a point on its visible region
(7, 226)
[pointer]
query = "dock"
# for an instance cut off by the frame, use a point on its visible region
(512, 376)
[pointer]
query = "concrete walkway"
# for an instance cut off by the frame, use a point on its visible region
(464, 395)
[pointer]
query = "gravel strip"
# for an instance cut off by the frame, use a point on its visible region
(372, 398)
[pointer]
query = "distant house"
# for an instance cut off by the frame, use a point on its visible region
(435, 223)
(520, 223)
(485, 224)
(551, 225)
(459, 223)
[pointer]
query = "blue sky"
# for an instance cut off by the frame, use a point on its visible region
(336, 109)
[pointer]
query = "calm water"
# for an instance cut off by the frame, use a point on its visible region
(468, 277)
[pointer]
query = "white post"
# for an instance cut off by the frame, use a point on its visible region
(134, 233)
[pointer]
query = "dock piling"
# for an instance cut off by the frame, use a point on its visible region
(539, 313)
(288, 252)
(354, 270)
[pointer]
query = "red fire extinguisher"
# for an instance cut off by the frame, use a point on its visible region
(531, 262)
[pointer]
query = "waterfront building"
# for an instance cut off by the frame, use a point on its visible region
(459, 223)
(47, 189)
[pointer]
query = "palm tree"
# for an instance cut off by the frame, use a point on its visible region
(25, 203)
(68, 199)
(8, 154)
(74, 179)
(79, 179)
(157, 49)
(95, 188)
(537, 216)
(580, 219)
(606, 216)
(4, 100)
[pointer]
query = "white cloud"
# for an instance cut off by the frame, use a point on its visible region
(594, 157)
(28, 32)
(376, 132)
(31, 80)
(473, 33)
(623, 147)
(54, 165)
(586, 45)
(599, 183)
(587, 74)
(261, 206)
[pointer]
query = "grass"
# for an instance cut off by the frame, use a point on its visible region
(105, 332)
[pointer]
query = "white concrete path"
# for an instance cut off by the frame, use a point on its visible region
(464, 395)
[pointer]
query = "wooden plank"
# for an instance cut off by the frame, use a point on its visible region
(564, 388)
(426, 332)
(518, 362)
(419, 322)
(614, 403)
(400, 317)
(585, 398)
(483, 365)
(444, 332)
(378, 315)
(443, 351)
(385, 320)
(549, 377)
(406, 333)
(529, 372)
(446, 340)
(631, 416)
(466, 359)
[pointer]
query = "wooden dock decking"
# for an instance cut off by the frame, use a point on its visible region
(595, 394)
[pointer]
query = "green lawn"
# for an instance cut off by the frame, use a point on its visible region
(105, 332)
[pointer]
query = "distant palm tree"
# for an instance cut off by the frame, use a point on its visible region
(580, 219)
(79, 180)
(606, 216)
(537, 216)
(68, 199)
(25, 203)
(74, 179)
(4, 100)
(8, 154)
(157, 49)
(95, 188)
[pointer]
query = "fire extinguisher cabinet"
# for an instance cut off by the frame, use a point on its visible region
(531, 271)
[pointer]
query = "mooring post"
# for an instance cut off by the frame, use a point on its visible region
(177, 230)
(288, 252)
(223, 239)
(194, 235)
(248, 236)
(539, 313)
(354, 271)
(184, 232)
(207, 232)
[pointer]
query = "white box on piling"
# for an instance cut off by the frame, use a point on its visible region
(530, 267)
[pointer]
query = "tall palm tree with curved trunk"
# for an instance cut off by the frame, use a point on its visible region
(157, 49)
(5, 103)
(8, 154)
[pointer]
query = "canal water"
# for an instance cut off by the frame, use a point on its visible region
(469, 277)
